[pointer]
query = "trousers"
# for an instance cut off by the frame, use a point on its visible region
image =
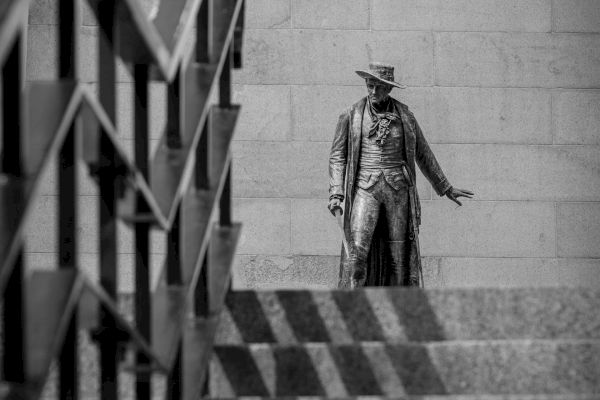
(368, 203)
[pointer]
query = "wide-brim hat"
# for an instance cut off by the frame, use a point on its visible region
(382, 72)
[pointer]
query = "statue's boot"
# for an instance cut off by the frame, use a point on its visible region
(358, 258)
(398, 264)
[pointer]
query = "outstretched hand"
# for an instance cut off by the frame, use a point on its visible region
(453, 194)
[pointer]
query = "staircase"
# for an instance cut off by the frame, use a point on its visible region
(512, 344)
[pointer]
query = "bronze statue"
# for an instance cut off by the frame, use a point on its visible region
(372, 170)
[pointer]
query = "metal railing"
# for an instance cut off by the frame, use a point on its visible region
(179, 191)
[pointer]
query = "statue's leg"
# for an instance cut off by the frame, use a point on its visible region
(396, 203)
(365, 212)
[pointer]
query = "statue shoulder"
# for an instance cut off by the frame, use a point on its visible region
(402, 107)
(359, 105)
(347, 112)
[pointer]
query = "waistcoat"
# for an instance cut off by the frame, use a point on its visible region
(381, 160)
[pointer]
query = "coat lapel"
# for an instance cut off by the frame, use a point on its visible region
(409, 137)
(356, 136)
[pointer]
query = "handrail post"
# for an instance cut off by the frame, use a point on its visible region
(69, 20)
(205, 33)
(143, 304)
(13, 316)
(108, 197)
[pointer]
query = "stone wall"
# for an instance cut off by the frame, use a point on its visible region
(507, 92)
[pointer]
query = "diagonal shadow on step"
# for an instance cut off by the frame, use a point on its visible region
(241, 371)
(296, 374)
(358, 315)
(302, 313)
(416, 370)
(416, 315)
(249, 317)
(412, 362)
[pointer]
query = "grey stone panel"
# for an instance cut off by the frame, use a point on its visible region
(290, 271)
(322, 56)
(266, 112)
(280, 169)
(517, 60)
(316, 14)
(487, 115)
(576, 116)
(576, 16)
(268, 14)
(488, 229)
(523, 172)
(462, 15)
(578, 229)
(266, 225)
(42, 53)
(42, 229)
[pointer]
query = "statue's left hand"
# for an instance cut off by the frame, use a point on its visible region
(453, 194)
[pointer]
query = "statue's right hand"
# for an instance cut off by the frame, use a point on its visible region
(334, 206)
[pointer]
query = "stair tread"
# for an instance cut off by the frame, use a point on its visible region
(404, 315)
(382, 369)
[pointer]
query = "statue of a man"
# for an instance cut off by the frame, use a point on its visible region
(372, 170)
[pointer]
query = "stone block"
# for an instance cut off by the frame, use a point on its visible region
(268, 14)
(266, 225)
(280, 169)
(292, 271)
(43, 12)
(157, 112)
(412, 15)
(578, 232)
(42, 51)
(88, 264)
(482, 115)
(89, 57)
(515, 172)
(272, 56)
(149, 7)
(488, 229)
(576, 16)
(44, 214)
(333, 14)
(49, 180)
(576, 117)
(462, 15)
(266, 113)
(314, 229)
(517, 60)
(316, 108)
(464, 272)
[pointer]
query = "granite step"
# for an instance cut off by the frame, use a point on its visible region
(433, 397)
(398, 315)
(560, 368)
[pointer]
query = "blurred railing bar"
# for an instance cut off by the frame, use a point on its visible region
(69, 23)
(108, 201)
(143, 303)
(13, 317)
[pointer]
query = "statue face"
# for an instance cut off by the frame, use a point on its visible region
(378, 91)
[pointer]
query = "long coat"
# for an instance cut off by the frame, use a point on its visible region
(343, 168)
